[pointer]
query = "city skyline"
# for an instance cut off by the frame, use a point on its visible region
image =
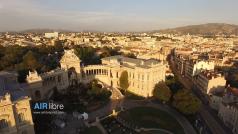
(111, 15)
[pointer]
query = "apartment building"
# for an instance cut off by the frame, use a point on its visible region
(210, 82)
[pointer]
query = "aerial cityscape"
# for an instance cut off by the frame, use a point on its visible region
(118, 67)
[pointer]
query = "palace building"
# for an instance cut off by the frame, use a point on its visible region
(142, 74)
(41, 86)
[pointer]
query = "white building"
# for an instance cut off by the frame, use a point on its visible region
(143, 74)
(52, 35)
(193, 68)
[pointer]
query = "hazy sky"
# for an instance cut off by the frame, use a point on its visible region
(114, 15)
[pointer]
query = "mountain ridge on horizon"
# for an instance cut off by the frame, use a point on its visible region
(203, 29)
(200, 29)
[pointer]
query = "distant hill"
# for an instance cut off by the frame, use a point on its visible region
(37, 30)
(44, 30)
(204, 29)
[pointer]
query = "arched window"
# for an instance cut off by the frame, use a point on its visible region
(59, 79)
(21, 118)
(111, 73)
(3, 123)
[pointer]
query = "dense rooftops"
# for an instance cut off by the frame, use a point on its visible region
(209, 74)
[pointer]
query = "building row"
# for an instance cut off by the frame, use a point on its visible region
(226, 104)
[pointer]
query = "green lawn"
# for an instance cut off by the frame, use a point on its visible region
(148, 117)
(92, 130)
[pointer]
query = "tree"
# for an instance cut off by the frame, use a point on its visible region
(94, 88)
(105, 54)
(186, 102)
(97, 92)
(2, 49)
(22, 74)
(162, 92)
(112, 51)
(10, 56)
(58, 46)
(87, 55)
(29, 61)
(173, 83)
(124, 83)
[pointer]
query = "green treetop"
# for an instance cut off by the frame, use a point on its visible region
(124, 83)
(186, 102)
(162, 92)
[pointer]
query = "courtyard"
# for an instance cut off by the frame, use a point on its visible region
(151, 119)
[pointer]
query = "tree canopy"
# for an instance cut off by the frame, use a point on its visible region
(96, 91)
(25, 58)
(29, 61)
(162, 92)
(173, 83)
(186, 102)
(87, 55)
(10, 56)
(124, 83)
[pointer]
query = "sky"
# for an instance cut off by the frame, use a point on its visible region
(113, 15)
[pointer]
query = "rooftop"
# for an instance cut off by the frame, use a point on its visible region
(210, 74)
(9, 84)
(130, 62)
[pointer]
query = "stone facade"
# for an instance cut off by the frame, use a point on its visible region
(143, 75)
(210, 82)
(227, 107)
(15, 116)
(15, 110)
(215, 101)
(40, 86)
(190, 67)
(228, 112)
(194, 68)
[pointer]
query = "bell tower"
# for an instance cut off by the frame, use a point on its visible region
(70, 60)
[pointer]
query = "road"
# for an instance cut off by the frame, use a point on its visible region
(211, 122)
